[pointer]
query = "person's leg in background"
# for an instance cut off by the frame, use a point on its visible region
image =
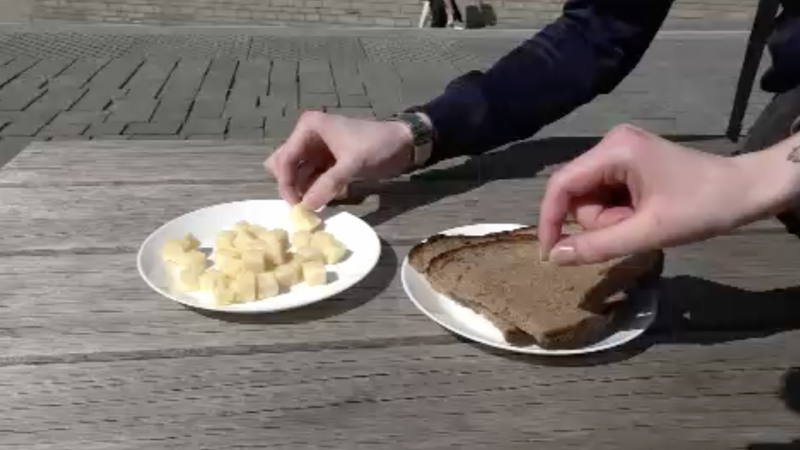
(454, 19)
(438, 13)
(781, 117)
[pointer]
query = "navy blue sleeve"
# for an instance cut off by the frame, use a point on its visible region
(588, 51)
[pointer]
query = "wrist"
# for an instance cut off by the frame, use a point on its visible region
(771, 177)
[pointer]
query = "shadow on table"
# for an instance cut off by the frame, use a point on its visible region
(790, 394)
(370, 287)
(521, 160)
(698, 311)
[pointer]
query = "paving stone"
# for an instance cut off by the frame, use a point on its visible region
(218, 79)
(112, 137)
(205, 137)
(252, 79)
(205, 126)
(354, 101)
(18, 95)
(247, 122)
(155, 137)
(279, 128)
(106, 129)
(63, 130)
(315, 77)
(245, 133)
(208, 108)
(79, 73)
(362, 113)
(81, 117)
(133, 110)
(10, 71)
(98, 98)
(151, 77)
(347, 79)
(310, 101)
(27, 126)
(114, 75)
(172, 110)
(283, 82)
(57, 99)
(154, 128)
(69, 138)
(10, 147)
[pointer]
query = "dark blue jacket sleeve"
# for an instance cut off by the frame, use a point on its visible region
(586, 52)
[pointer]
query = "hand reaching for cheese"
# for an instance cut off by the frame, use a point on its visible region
(251, 262)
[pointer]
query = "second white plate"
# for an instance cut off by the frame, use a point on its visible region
(633, 319)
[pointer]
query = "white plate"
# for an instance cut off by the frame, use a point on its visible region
(633, 319)
(359, 238)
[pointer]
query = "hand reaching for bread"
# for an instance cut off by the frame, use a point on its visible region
(636, 192)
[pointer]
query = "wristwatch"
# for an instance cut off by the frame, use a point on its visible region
(422, 136)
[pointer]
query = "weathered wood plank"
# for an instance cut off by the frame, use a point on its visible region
(111, 216)
(169, 161)
(445, 396)
(724, 289)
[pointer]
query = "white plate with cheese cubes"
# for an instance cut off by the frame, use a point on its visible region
(257, 256)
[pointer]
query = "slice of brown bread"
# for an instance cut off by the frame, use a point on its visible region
(421, 254)
(561, 307)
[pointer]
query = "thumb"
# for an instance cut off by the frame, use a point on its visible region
(624, 238)
(328, 186)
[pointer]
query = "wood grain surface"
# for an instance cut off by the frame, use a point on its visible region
(93, 359)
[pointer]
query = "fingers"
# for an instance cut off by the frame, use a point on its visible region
(328, 185)
(302, 144)
(629, 236)
(579, 178)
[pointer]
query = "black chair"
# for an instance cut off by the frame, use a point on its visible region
(762, 27)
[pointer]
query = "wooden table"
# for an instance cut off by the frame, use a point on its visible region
(93, 359)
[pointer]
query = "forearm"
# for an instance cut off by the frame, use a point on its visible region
(586, 52)
(770, 178)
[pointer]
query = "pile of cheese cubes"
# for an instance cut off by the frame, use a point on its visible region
(251, 262)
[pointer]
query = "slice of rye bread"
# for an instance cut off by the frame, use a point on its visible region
(421, 254)
(561, 307)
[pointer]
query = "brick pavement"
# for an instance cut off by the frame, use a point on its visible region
(111, 85)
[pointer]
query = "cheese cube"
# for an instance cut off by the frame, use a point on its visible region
(253, 261)
(211, 279)
(225, 240)
(301, 239)
(172, 250)
(190, 242)
(189, 280)
(289, 274)
(267, 285)
(192, 259)
(223, 295)
(245, 286)
(275, 252)
(303, 219)
(231, 267)
(321, 238)
(305, 254)
(241, 226)
(314, 273)
(221, 255)
(258, 229)
(244, 240)
(334, 252)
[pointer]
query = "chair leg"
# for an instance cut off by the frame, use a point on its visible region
(762, 27)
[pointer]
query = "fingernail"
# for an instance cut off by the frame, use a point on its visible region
(563, 255)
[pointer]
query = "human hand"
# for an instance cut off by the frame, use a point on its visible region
(635, 192)
(325, 152)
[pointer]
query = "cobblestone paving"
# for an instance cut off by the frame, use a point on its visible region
(113, 85)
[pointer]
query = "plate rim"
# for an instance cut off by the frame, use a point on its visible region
(373, 262)
(406, 268)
